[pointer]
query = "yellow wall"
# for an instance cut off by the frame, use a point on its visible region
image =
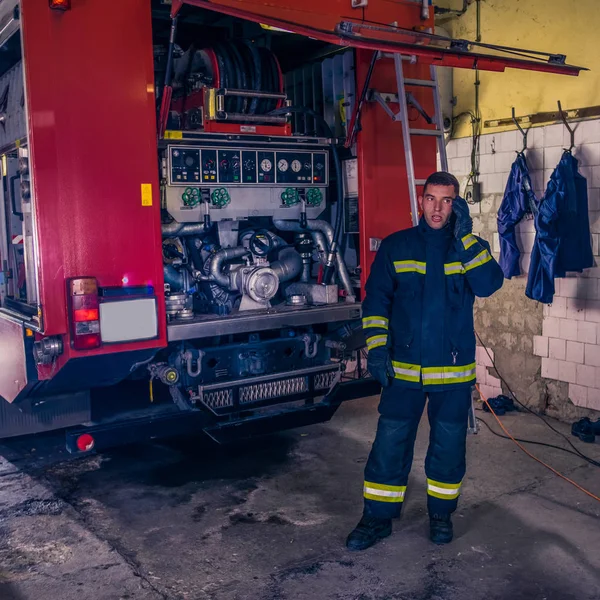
(570, 27)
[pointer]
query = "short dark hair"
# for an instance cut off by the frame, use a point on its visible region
(442, 178)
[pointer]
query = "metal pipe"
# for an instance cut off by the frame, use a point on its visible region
(288, 264)
(179, 229)
(216, 264)
(251, 94)
(327, 230)
(320, 242)
(305, 277)
(173, 277)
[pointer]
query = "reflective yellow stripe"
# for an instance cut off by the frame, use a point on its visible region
(443, 375)
(483, 257)
(376, 341)
(443, 491)
(407, 372)
(454, 268)
(410, 266)
(469, 240)
(385, 487)
(380, 322)
(384, 493)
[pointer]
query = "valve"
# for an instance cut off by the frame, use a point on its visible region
(220, 197)
(191, 197)
(290, 197)
(314, 197)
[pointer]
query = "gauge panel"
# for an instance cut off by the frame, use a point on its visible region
(243, 166)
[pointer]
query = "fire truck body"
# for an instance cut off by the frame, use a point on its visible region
(208, 277)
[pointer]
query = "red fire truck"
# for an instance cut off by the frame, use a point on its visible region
(192, 195)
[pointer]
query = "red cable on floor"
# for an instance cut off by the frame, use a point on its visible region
(531, 455)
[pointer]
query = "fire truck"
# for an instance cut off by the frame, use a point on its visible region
(192, 196)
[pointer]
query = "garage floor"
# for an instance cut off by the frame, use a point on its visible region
(267, 521)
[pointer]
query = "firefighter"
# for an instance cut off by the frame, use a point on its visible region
(418, 321)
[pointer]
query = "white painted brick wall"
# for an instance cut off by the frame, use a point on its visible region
(567, 371)
(557, 349)
(586, 332)
(575, 309)
(569, 344)
(540, 345)
(575, 352)
(586, 376)
(568, 329)
(550, 368)
(592, 355)
(578, 395)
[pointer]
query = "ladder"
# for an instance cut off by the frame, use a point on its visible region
(403, 99)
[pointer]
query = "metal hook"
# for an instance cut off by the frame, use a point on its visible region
(563, 117)
(523, 133)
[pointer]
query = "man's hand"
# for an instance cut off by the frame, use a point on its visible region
(380, 366)
(464, 223)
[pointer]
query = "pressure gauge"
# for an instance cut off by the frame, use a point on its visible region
(283, 165)
(266, 165)
(296, 166)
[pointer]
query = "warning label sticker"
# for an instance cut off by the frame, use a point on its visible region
(146, 194)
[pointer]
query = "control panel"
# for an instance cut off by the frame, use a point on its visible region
(245, 167)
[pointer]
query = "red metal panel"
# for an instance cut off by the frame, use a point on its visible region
(383, 185)
(320, 20)
(92, 132)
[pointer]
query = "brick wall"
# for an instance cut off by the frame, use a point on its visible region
(549, 355)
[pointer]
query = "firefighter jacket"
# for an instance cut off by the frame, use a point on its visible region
(563, 240)
(419, 304)
(518, 200)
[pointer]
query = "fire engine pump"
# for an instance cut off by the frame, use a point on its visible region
(245, 227)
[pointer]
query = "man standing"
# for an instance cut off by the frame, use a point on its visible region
(418, 320)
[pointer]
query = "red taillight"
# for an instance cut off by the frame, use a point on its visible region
(85, 442)
(60, 4)
(85, 313)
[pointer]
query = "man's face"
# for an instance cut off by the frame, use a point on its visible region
(436, 204)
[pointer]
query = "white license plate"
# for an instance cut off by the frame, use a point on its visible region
(128, 320)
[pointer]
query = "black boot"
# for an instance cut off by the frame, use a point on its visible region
(440, 529)
(367, 532)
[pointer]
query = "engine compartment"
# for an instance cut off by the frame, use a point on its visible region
(252, 213)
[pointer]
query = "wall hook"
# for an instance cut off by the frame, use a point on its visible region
(563, 117)
(523, 132)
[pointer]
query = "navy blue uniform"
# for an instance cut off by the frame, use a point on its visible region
(419, 304)
(563, 240)
(518, 201)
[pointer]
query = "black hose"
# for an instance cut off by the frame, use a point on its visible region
(255, 68)
(242, 84)
(169, 68)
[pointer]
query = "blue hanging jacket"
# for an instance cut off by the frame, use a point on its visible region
(518, 200)
(563, 240)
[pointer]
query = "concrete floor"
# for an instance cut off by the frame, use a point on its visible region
(187, 520)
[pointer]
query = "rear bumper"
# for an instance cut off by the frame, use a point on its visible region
(224, 429)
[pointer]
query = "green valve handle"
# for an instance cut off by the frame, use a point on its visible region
(289, 197)
(314, 197)
(220, 197)
(191, 197)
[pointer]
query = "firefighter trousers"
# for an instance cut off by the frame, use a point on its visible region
(390, 460)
